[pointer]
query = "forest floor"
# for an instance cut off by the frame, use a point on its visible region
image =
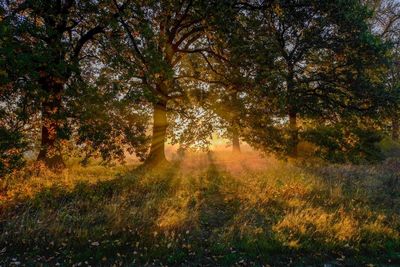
(206, 210)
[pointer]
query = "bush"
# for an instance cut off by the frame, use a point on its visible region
(12, 148)
(389, 147)
(342, 144)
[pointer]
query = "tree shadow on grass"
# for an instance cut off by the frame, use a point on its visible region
(159, 217)
(342, 221)
(93, 222)
(215, 210)
(223, 240)
(294, 226)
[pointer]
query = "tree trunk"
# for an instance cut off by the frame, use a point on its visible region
(292, 112)
(395, 127)
(294, 135)
(160, 124)
(235, 140)
(50, 153)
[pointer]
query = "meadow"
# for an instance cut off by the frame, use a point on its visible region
(305, 93)
(208, 209)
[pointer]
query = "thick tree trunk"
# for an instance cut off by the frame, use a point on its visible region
(395, 127)
(160, 124)
(292, 112)
(235, 140)
(50, 153)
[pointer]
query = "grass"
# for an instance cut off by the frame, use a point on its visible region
(205, 210)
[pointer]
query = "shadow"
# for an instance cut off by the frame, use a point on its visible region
(368, 195)
(92, 222)
(215, 211)
(207, 217)
(376, 187)
(224, 220)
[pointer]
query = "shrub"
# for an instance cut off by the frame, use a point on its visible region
(12, 148)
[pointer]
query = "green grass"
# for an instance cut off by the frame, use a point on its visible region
(209, 214)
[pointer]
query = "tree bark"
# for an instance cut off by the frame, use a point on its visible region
(50, 153)
(160, 124)
(235, 140)
(292, 112)
(294, 135)
(395, 127)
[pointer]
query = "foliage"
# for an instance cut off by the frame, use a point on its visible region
(321, 63)
(44, 43)
(103, 79)
(94, 73)
(389, 147)
(12, 147)
(339, 144)
(107, 125)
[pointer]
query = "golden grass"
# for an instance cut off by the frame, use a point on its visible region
(206, 209)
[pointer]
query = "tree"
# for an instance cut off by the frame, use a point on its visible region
(325, 64)
(230, 75)
(157, 37)
(45, 44)
(386, 24)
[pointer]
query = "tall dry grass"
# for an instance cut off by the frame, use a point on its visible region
(204, 209)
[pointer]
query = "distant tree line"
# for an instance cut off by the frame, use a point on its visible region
(102, 78)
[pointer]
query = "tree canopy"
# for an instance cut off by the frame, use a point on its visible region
(114, 76)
